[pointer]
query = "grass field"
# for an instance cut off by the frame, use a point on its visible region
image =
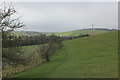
(88, 57)
(80, 32)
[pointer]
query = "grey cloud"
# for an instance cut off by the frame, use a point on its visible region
(57, 17)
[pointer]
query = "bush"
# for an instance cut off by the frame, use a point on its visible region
(47, 50)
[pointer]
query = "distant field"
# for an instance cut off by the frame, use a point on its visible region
(88, 57)
(29, 49)
(68, 33)
(77, 33)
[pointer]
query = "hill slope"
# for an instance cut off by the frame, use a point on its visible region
(80, 32)
(88, 57)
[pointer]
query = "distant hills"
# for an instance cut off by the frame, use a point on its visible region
(67, 33)
(100, 29)
(26, 32)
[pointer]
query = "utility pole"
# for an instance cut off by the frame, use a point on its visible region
(92, 26)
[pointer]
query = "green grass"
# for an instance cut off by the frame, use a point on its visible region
(88, 57)
(29, 49)
(77, 33)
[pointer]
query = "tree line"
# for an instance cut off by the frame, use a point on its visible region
(12, 40)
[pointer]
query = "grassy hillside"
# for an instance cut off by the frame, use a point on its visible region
(88, 57)
(80, 32)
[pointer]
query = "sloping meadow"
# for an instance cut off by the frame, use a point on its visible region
(88, 57)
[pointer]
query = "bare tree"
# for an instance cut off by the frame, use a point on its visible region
(6, 22)
(46, 51)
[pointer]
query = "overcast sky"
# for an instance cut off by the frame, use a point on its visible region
(67, 16)
(60, 0)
